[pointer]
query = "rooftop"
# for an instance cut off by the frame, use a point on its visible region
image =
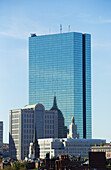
(60, 33)
(29, 106)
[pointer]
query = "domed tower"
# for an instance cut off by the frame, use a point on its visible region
(62, 129)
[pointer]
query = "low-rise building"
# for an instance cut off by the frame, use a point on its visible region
(106, 149)
(5, 150)
(76, 147)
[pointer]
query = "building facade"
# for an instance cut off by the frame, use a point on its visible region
(1, 138)
(76, 147)
(21, 128)
(61, 64)
(106, 149)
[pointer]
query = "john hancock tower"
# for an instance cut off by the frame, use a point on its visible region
(60, 64)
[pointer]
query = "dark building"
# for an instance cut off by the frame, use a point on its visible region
(5, 150)
(97, 160)
(62, 129)
(35, 145)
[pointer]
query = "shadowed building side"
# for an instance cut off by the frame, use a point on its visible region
(62, 129)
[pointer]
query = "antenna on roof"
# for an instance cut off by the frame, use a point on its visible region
(60, 28)
(68, 28)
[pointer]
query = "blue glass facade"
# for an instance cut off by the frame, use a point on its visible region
(56, 66)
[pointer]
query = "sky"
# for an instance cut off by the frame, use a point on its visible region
(20, 18)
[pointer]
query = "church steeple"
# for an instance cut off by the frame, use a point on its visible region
(35, 144)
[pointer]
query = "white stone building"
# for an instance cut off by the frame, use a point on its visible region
(74, 147)
(21, 128)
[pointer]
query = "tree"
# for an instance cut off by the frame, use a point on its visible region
(101, 144)
(9, 168)
(20, 166)
(16, 165)
(95, 144)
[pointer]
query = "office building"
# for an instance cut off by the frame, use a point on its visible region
(61, 64)
(73, 130)
(1, 138)
(76, 147)
(21, 128)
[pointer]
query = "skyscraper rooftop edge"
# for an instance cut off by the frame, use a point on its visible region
(34, 34)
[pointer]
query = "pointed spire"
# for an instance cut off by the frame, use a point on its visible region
(55, 102)
(54, 107)
(35, 144)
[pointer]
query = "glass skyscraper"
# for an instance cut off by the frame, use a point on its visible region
(60, 65)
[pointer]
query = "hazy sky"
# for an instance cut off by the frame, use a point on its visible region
(20, 18)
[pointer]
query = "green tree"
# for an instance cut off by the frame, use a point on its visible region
(20, 166)
(17, 165)
(95, 144)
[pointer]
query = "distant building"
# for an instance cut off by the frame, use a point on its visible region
(76, 147)
(5, 150)
(1, 138)
(97, 160)
(106, 149)
(73, 130)
(21, 127)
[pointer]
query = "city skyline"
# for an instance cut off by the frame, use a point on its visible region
(18, 21)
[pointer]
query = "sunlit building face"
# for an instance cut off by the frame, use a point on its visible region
(60, 65)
